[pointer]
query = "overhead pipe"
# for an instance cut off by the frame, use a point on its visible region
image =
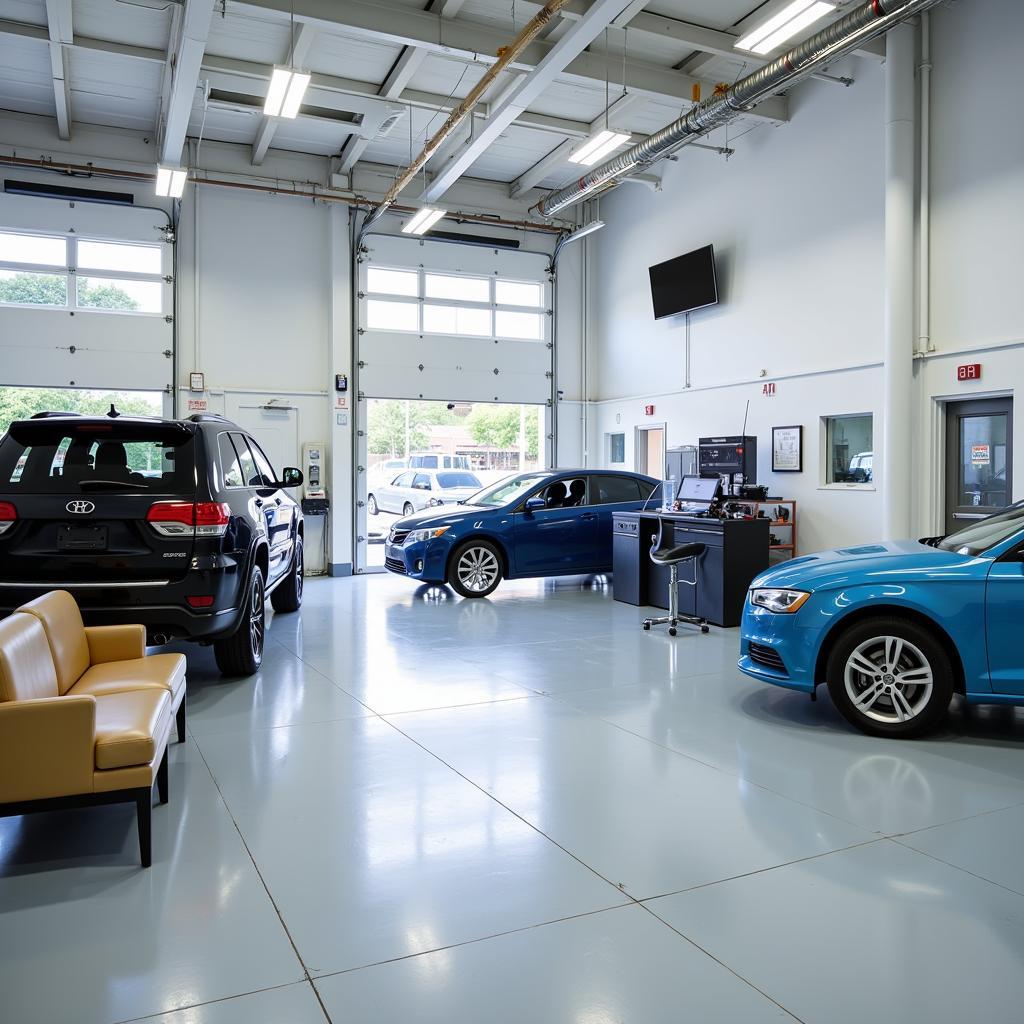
(506, 56)
(842, 37)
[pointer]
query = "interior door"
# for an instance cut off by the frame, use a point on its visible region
(979, 459)
(650, 451)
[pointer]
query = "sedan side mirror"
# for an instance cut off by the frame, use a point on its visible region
(291, 477)
(535, 504)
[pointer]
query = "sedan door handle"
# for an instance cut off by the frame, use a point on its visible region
(589, 515)
(970, 515)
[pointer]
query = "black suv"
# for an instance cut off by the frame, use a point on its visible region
(182, 525)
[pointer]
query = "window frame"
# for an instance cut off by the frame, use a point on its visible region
(70, 271)
(826, 454)
(493, 307)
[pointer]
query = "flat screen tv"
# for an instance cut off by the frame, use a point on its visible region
(684, 283)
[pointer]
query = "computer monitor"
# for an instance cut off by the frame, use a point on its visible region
(700, 489)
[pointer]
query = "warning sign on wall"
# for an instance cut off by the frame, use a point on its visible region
(198, 405)
(980, 455)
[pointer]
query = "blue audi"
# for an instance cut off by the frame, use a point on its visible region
(896, 629)
(554, 523)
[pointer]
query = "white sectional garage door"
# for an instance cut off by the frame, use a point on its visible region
(453, 322)
(86, 295)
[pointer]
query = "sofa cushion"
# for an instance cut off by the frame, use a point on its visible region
(131, 727)
(26, 665)
(62, 620)
(164, 671)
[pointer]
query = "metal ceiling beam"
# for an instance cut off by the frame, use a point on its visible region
(518, 95)
(185, 56)
(408, 63)
(268, 125)
(59, 32)
(383, 22)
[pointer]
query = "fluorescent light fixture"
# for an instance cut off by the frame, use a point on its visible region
(284, 96)
(422, 220)
(597, 147)
(170, 181)
(587, 229)
(793, 18)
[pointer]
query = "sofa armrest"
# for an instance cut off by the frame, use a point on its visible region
(46, 747)
(115, 643)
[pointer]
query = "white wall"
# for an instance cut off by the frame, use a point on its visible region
(797, 219)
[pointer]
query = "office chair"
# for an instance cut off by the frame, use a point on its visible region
(665, 551)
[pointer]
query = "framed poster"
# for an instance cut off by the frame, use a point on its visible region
(787, 449)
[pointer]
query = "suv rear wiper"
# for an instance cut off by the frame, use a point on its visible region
(88, 485)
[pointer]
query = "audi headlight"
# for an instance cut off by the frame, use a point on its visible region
(782, 602)
(419, 536)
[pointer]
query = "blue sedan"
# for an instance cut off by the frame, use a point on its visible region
(896, 629)
(556, 523)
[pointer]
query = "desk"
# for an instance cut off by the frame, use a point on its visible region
(737, 550)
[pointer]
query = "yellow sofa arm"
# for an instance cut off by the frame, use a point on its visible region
(46, 747)
(115, 643)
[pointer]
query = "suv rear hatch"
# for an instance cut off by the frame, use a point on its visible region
(81, 502)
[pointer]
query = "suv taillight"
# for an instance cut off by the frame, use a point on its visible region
(179, 518)
(8, 516)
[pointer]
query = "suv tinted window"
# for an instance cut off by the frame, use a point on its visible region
(403, 480)
(51, 457)
(262, 463)
(457, 479)
(250, 474)
(608, 490)
(421, 482)
(229, 466)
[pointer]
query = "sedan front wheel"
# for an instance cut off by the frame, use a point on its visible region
(475, 569)
(891, 677)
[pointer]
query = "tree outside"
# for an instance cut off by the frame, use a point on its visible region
(52, 290)
(22, 403)
(497, 426)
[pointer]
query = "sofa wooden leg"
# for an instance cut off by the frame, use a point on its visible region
(180, 719)
(144, 813)
(161, 779)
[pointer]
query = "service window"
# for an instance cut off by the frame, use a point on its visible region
(608, 490)
(849, 450)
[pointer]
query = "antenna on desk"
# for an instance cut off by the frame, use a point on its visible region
(746, 412)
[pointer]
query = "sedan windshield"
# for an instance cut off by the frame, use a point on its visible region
(987, 533)
(508, 490)
(447, 480)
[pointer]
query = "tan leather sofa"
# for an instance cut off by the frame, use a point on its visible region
(81, 726)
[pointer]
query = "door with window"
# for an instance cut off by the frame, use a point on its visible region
(979, 460)
(562, 536)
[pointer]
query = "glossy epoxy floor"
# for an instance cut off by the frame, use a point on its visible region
(526, 809)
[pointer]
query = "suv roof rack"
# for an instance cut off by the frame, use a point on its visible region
(45, 415)
(203, 417)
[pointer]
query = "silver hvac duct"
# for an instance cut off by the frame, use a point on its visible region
(836, 40)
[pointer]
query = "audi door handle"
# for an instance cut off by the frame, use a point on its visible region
(589, 515)
(970, 515)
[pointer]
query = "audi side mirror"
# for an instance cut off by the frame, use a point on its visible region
(535, 505)
(292, 477)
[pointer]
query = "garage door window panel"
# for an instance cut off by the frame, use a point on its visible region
(30, 288)
(457, 287)
(519, 293)
(33, 250)
(120, 295)
(392, 281)
(522, 326)
(118, 257)
(386, 315)
(460, 320)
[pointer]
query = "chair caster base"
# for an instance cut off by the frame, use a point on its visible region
(647, 626)
(705, 629)
(671, 630)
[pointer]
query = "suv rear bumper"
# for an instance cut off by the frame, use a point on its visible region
(159, 605)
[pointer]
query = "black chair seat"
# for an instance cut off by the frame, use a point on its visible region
(676, 553)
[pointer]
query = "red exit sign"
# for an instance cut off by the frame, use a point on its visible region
(969, 371)
(648, 410)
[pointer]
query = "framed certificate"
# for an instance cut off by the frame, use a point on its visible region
(787, 449)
